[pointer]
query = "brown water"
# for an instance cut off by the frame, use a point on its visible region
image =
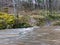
(37, 36)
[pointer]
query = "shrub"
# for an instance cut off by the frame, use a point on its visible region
(56, 23)
(9, 19)
(3, 24)
(53, 17)
(40, 20)
(22, 22)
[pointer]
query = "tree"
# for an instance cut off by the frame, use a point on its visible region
(40, 1)
(15, 5)
(50, 7)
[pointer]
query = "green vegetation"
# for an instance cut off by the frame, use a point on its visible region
(2, 24)
(57, 23)
(40, 20)
(23, 21)
(10, 21)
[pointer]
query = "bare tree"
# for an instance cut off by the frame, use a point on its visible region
(50, 7)
(15, 6)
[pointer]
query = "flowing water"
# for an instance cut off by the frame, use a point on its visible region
(31, 36)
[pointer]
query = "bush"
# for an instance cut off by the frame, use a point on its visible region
(9, 19)
(53, 17)
(22, 22)
(3, 24)
(40, 20)
(13, 22)
(56, 23)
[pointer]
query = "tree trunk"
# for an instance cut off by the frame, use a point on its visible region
(15, 8)
(50, 7)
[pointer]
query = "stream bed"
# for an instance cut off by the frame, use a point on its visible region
(31, 36)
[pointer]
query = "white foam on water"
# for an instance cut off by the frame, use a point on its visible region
(16, 32)
(57, 29)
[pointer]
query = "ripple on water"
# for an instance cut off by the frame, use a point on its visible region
(31, 36)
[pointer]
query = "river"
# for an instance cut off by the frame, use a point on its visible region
(31, 36)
